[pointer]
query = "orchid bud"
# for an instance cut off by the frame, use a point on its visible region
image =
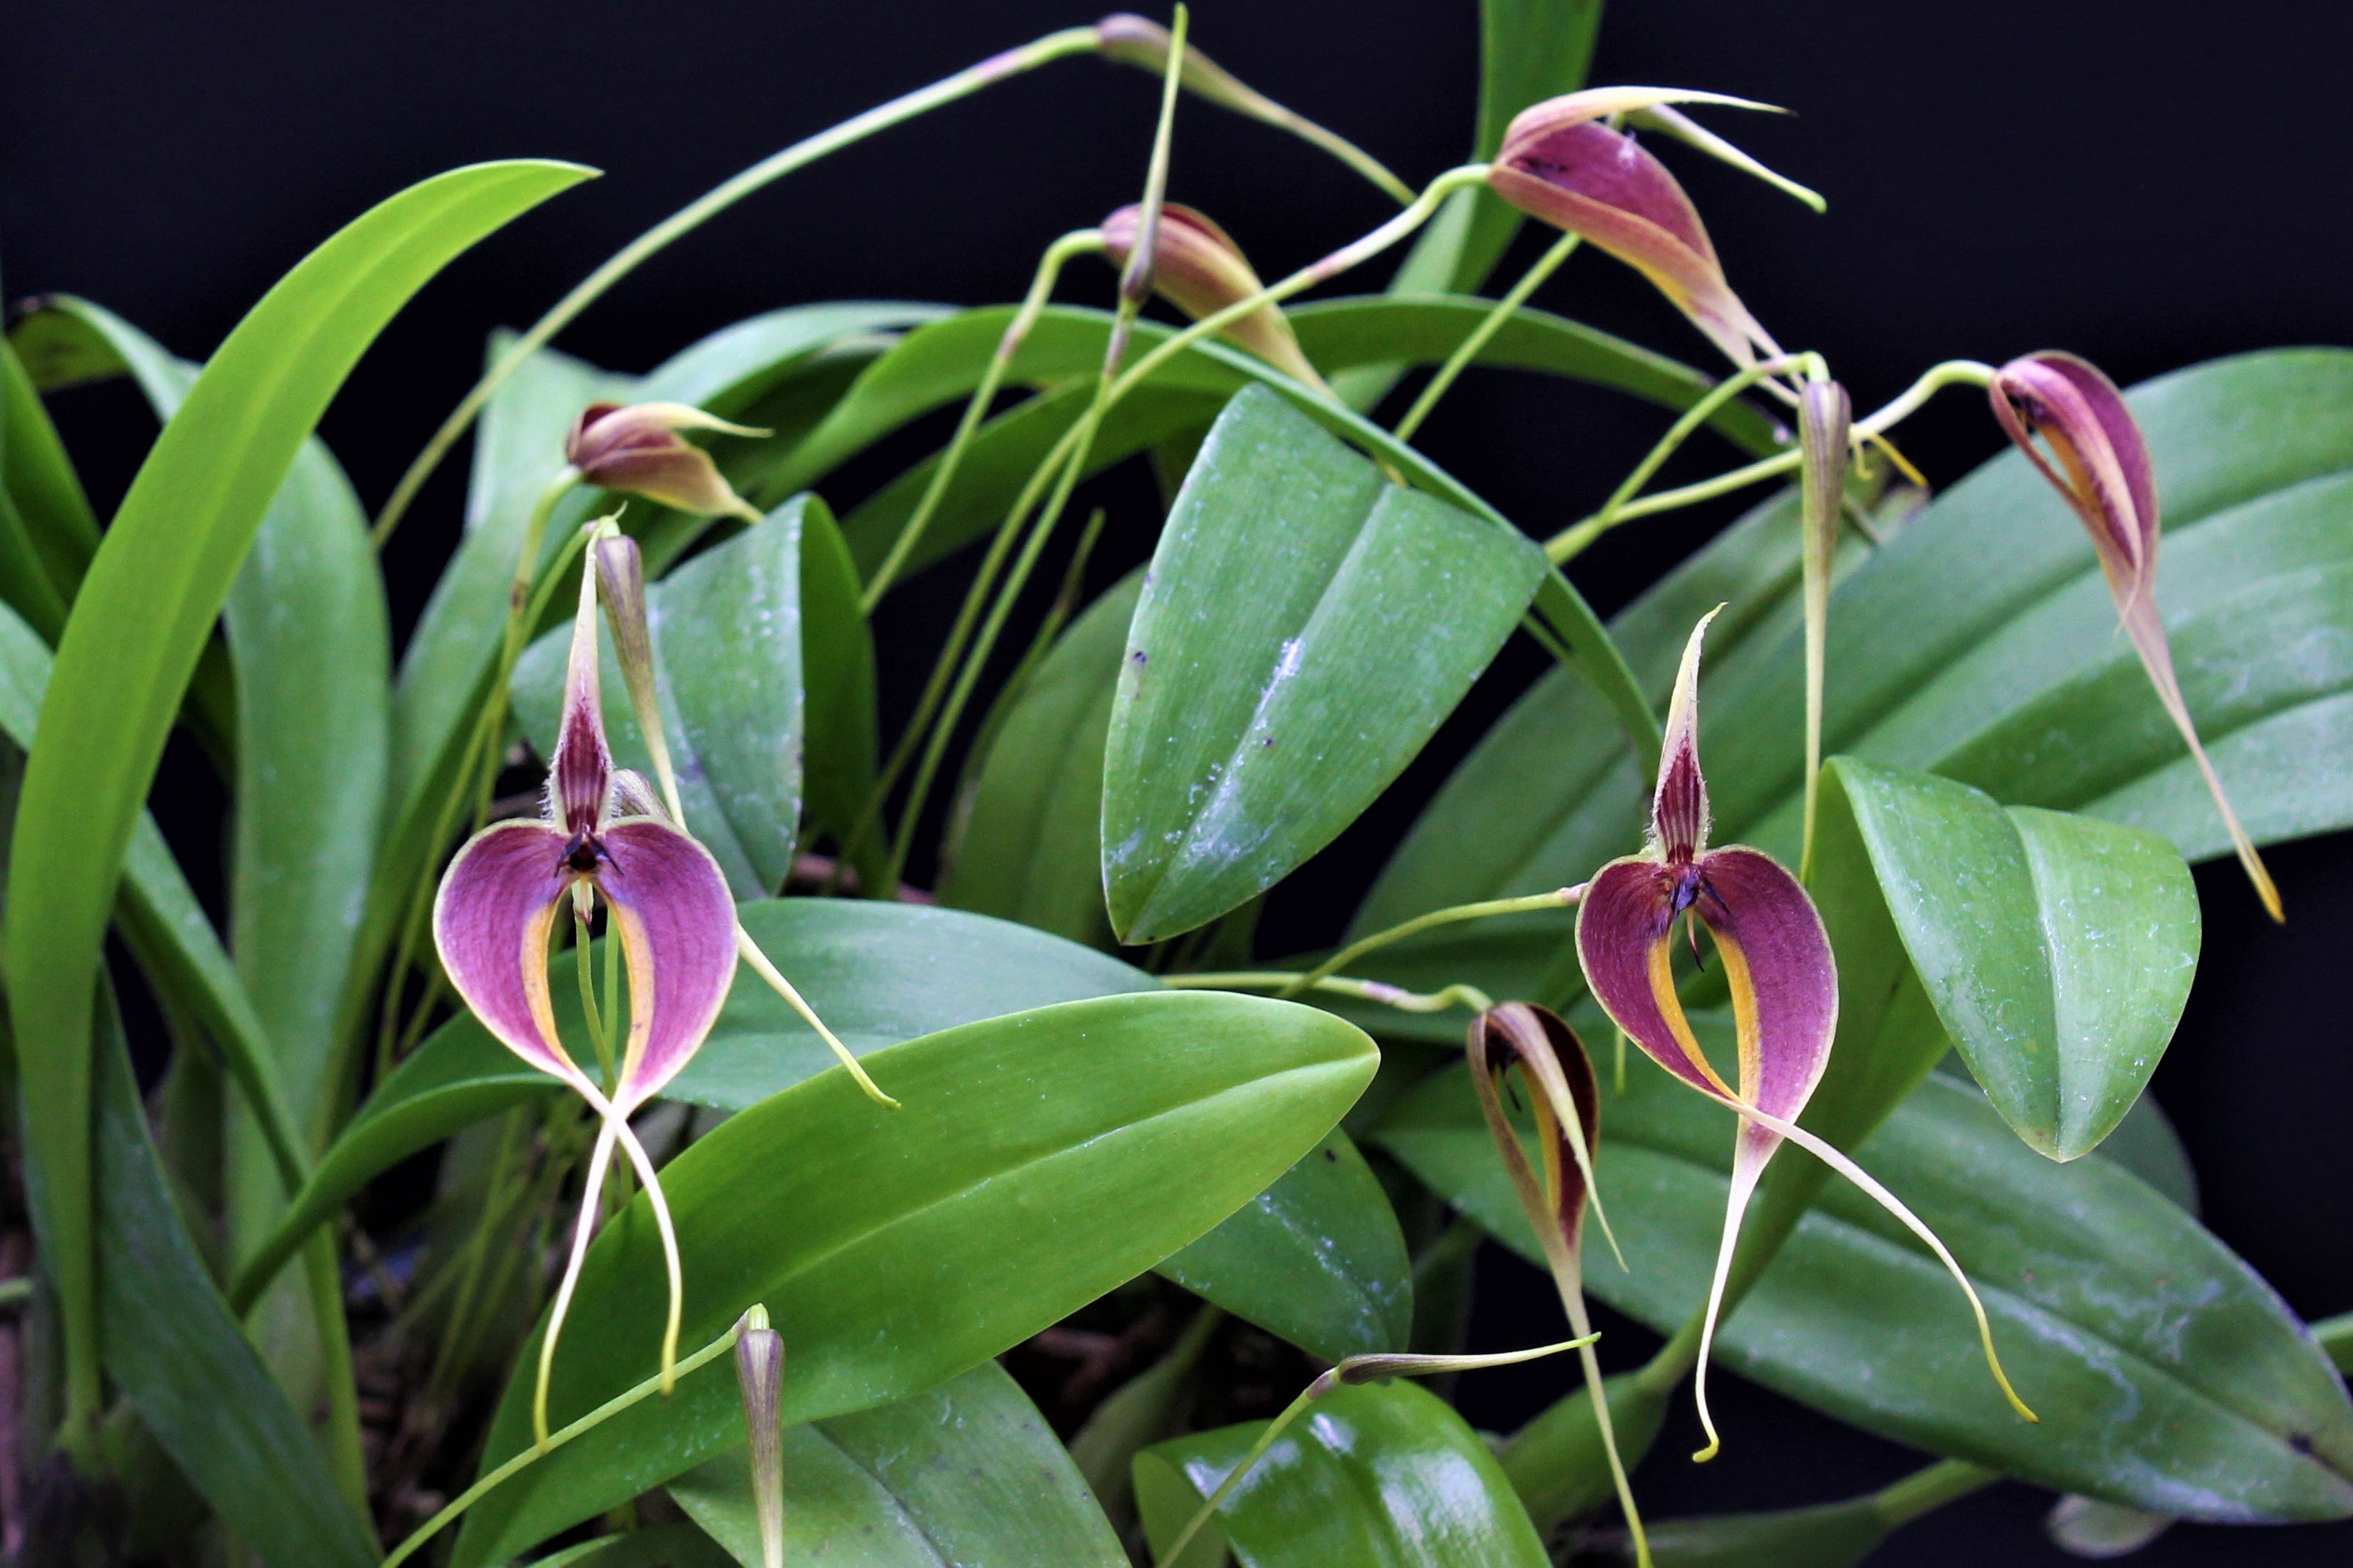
(635, 450)
(2100, 463)
(760, 1373)
(1198, 268)
(620, 571)
(1824, 420)
(1560, 164)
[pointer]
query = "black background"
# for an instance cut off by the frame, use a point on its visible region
(2147, 183)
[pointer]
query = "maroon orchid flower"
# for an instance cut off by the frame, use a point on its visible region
(602, 838)
(1777, 964)
(636, 450)
(2102, 467)
(1561, 164)
(1197, 268)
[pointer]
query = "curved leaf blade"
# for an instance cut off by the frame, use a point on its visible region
(1304, 628)
(1039, 1160)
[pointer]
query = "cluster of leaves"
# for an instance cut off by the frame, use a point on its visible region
(1095, 1118)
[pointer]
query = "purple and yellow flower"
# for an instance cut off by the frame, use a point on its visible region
(2100, 463)
(602, 837)
(1561, 164)
(1197, 268)
(1778, 965)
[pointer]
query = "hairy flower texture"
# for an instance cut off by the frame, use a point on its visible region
(1561, 164)
(636, 450)
(1783, 979)
(2100, 463)
(1197, 268)
(601, 837)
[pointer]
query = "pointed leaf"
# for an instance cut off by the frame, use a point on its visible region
(914, 1248)
(2167, 1373)
(1306, 626)
(2057, 949)
(967, 1475)
(1384, 1476)
(837, 703)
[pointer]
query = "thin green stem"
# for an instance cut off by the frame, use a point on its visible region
(1953, 372)
(718, 199)
(1468, 350)
(1924, 1490)
(346, 1459)
(1348, 955)
(1614, 511)
(1079, 242)
(1380, 990)
(719, 1347)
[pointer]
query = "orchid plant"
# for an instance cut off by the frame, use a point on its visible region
(321, 1250)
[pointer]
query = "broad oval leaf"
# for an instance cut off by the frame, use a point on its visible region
(2057, 949)
(1028, 847)
(965, 1475)
(726, 632)
(1304, 627)
(145, 609)
(2167, 1374)
(1317, 1258)
(1037, 1160)
(1382, 1476)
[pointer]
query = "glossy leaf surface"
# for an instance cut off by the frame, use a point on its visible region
(967, 1475)
(1029, 847)
(1036, 1161)
(1316, 1258)
(2057, 949)
(726, 633)
(2167, 1373)
(1306, 626)
(1384, 1476)
(179, 1354)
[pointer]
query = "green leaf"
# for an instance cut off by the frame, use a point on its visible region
(1384, 1476)
(1037, 1160)
(144, 612)
(1030, 847)
(1317, 1258)
(660, 1546)
(837, 703)
(1306, 626)
(2058, 950)
(312, 653)
(726, 630)
(2167, 1374)
(39, 478)
(967, 1475)
(176, 1351)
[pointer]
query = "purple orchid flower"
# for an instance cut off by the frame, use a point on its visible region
(1197, 268)
(602, 836)
(1783, 979)
(2102, 469)
(636, 450)
(1560, 164)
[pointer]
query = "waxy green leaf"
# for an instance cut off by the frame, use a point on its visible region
(2057, 949)
(1030, 845)
(1036, 1161)
(2167, 1374)
(1306, 626)
(1316, 1258)
(1383, 1475)
(965, 1475)
(159, 579)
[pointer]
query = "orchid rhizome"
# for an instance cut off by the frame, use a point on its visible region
(1179, 605)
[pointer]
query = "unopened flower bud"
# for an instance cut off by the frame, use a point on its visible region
(636, 450)
(760, 1373)
(1561, 164)
(1198, 268)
